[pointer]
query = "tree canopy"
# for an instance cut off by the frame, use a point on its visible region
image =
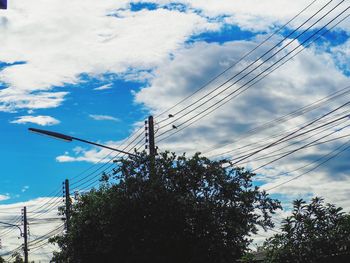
(182, 210)
(315, 232)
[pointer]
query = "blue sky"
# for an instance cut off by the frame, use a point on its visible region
(97, 70)
(30, 159)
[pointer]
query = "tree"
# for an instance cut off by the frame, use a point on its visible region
(190, 210)
(17, 257)
(2, 260)
(315, 232)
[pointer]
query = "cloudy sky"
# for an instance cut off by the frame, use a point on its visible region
(237, 77)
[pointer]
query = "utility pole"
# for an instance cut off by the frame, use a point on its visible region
(152, 148)
(25, 234)
(151, 145)
(68, 202)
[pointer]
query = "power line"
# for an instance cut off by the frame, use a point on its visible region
(276, 151)
(254, 62)
(111, 159)
(300, 129)
(106, 166)
(294, 114)
(267, 140)
(293, 151)
(255, 79)
(311, 145)
(336, 152)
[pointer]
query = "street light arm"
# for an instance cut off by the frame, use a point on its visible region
(104, 146)
(52, 134)
(68, 138)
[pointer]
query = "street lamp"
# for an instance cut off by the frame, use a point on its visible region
(68, 138)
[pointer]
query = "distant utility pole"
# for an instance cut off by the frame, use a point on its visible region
(68, 202)
(25, 234)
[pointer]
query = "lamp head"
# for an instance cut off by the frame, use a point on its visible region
(55, 135)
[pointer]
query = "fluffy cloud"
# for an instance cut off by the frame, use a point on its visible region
(95, 155)
(305, 79)
(82, 37)
(103, 117)
(97, 38)
(255, 15)
(40, 120)
(4, 197)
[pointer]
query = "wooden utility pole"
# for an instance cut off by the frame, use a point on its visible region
(151, 145)
(68, 203)
(25, 235)
(152, 148)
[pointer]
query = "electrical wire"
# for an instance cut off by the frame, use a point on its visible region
(254, 62)
(288, 136)
(256, 80)
(237, 62)
(293, 151)
(265, 141)
(336, 152)
(289, 116)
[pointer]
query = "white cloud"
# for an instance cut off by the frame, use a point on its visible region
(96, 155)
(24, 188)
(40, 120)
(104, 87)
(103, 117)
(257, 15)
(103, 37)
(4, 197)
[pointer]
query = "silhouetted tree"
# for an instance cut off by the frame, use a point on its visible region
(17, 258)
(315, 232)
(190, 210)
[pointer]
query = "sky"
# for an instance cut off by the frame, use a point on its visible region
(96, 69)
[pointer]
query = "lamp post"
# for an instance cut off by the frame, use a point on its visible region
(68, 138)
